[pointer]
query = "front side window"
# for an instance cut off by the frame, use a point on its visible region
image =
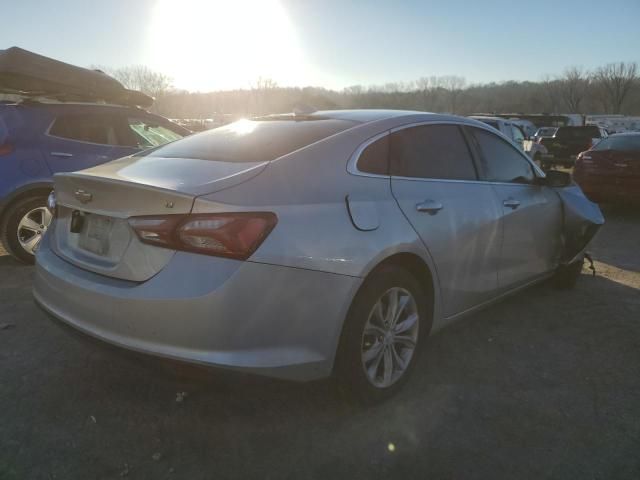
(89, 128)
(500, 161)
(431, 151)
(147, 134)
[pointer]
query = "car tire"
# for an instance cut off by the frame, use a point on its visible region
(566, 276)
(13, 228)
(373, 365)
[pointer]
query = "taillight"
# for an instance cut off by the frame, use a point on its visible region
(6, 148)
(233, 235)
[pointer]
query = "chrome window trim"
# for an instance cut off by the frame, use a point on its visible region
(352, 164)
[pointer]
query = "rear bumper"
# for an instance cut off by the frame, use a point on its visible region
(600, 190)
(269, 320)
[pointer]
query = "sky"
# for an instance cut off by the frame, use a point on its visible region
(206, 45)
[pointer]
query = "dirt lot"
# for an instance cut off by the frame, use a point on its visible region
(544, 385)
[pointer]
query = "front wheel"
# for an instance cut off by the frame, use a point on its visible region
(26, 221)
(567, 276)
(384, 331)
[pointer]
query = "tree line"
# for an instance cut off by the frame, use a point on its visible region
(611, 89)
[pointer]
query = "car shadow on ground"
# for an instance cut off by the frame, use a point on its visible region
(545, 381)
(8, 261)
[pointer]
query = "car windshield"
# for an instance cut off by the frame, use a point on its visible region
(149, 135)
(253, 141)
(623, 143)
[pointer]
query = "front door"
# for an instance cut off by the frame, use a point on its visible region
(435, 183)
(532, 214)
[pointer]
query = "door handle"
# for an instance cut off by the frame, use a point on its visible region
(429, 206)
(61, 154)
(512, 203)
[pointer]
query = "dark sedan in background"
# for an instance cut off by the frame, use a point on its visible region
(610, 171)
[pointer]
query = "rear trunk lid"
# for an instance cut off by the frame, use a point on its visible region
(610, 163)
(92, 230)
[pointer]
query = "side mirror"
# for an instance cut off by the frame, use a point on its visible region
(557, 179)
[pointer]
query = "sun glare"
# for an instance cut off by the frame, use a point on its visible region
(224, 44)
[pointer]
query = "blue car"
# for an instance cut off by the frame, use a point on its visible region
(38, 140)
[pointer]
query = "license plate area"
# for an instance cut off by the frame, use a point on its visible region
(94, 232)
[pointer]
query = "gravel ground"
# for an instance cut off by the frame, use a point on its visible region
(543, 385)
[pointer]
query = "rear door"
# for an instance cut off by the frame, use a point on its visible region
(80, 140)
(531, 213)
(435, 183)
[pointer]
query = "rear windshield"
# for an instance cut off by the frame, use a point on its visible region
(252, 141)
(623, 143)
(578, 132)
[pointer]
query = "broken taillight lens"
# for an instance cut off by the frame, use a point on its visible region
(233, 235)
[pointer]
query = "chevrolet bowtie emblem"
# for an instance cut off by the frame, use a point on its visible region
(83, 196)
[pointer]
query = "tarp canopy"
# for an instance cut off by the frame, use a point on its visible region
(29, 74)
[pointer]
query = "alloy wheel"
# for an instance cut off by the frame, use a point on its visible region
(390, 337)
(32, 227)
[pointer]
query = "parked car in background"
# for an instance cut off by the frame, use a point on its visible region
(38, 140)
(514, 132)
(527, 127)
(563, 148)
(544, 132)
(610, 171)
(301, 246)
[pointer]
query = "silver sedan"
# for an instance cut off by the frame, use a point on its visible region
(304, 246)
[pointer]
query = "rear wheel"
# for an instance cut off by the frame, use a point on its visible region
(25, 223)
(382, 335)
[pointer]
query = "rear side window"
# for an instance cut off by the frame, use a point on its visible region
(86, 128)
(252, 141)
(431, 151)
(375, 158)
(500, 161)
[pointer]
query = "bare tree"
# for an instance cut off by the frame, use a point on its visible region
(552, 94)
(453, 85)
(574, 87)
(428, 88)
(263, 95)
(143, 79)
(616, 81)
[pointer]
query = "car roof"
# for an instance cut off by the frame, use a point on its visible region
(625, 134)
(366, 115)
(487, 117)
